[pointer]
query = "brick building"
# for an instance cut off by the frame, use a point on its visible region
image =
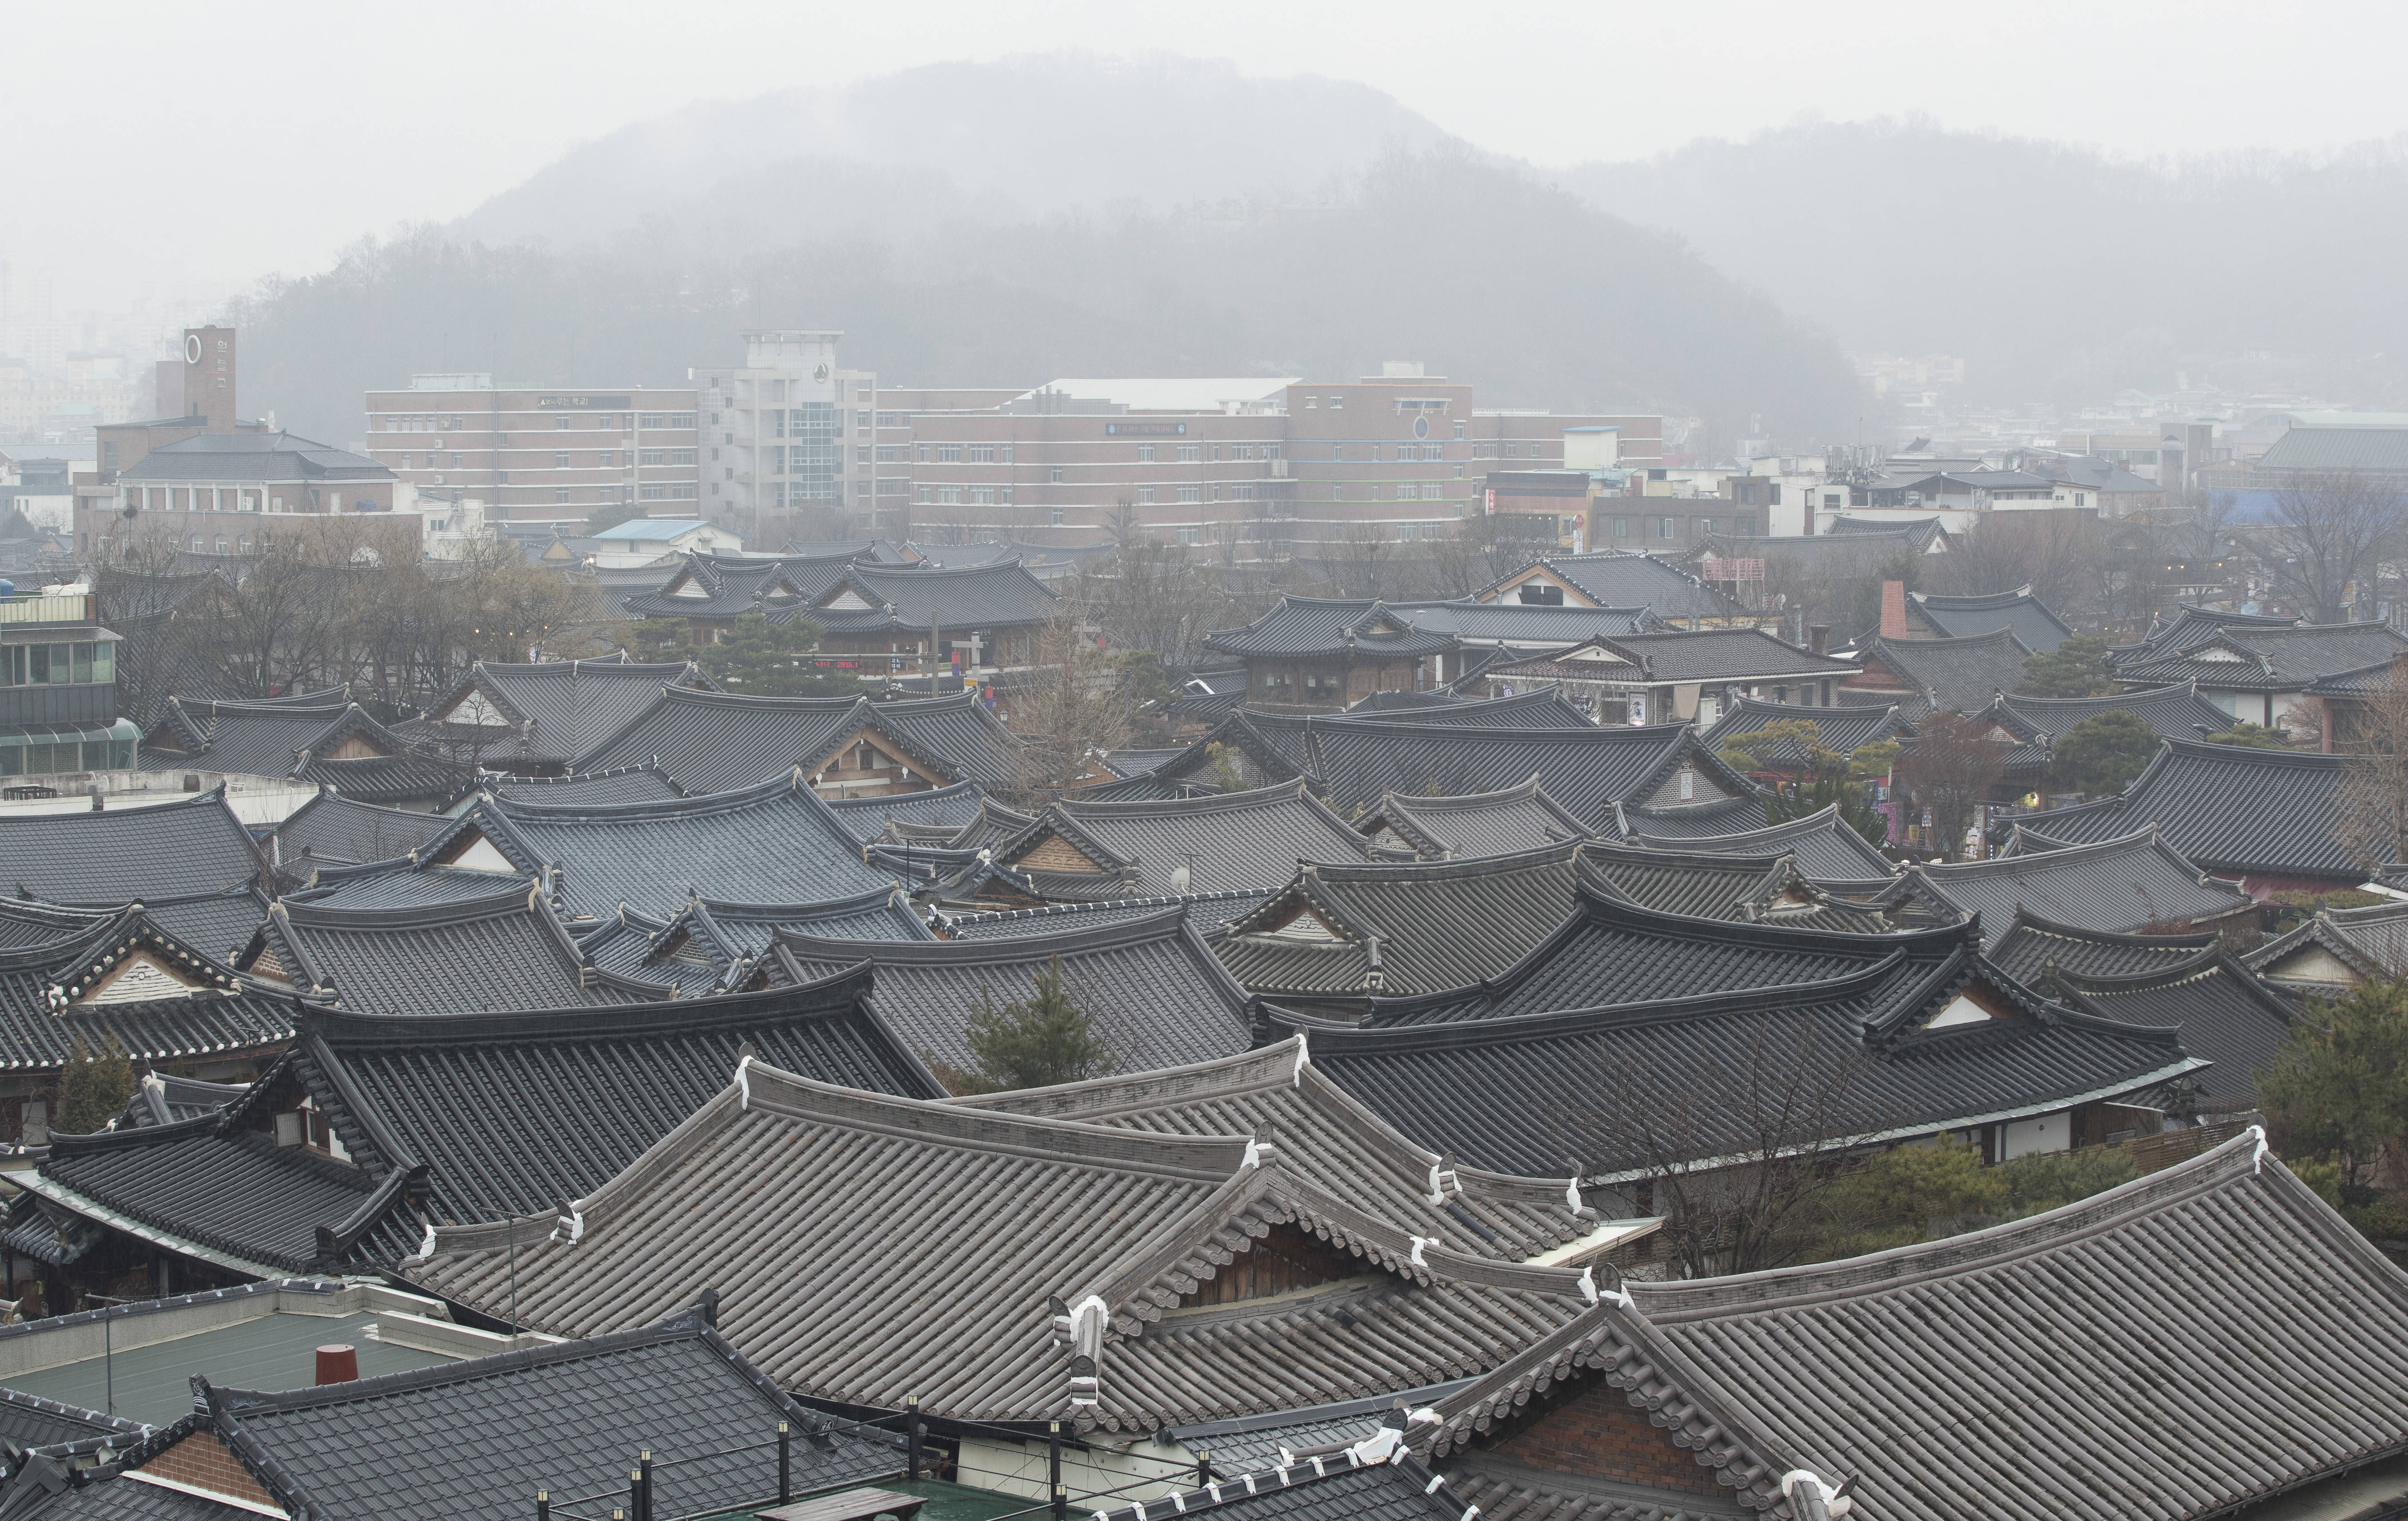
(787, 434)
(535, 453)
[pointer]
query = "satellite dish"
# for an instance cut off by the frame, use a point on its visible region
(1180, 878)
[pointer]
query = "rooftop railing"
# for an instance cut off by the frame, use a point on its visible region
(47, 609)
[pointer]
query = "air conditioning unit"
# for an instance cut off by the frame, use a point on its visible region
(439, 481)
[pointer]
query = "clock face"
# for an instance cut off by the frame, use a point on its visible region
(820, 373)
(192, 348)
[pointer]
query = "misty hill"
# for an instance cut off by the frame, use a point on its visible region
(1526, 291)
(2056, 269)
(990, 141)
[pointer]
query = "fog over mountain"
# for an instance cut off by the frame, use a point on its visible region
(2058, 270)
(976, 225)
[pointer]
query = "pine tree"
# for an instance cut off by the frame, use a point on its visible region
(93, 1088)
(1035, 1044)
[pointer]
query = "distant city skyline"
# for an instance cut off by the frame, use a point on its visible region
(423, 121)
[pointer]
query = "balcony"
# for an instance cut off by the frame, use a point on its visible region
(47, 609)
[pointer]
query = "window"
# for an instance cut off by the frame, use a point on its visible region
(714, 454)
(656, 420)
(1190, 453)
(1409, 531)
(861, 453)
(1191, 493)
(860, 420)
(560, 460)
(1668, 527)
(1055, 516)
(981, 453)
(1312, 403)
(983, 496)
(1336, 403)
(1705, 525)
(241, 547)
(652, 456)
(1337, 452)
(1372, 453)
(1189, 536)
(1057, 475)
(606, 459)
(1144, 454)
(1270, 450)
(681, 493)
(1458, 427)
(1145, 495)
(607, 494)
(714, 417)
(950, 496)
(680, 420)
(654, 493)
(455, 461)
(1830, 498)
(890, 420)
(560, 493)
(1003, 495)
(427, 462)
(682, 456)
(109, 456)
(563, 420)
(1430, 490)
(889, 453)
(196, 544)
(1622, 527)
(927, 493)
(948, 453)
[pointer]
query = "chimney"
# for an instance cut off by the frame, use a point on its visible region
(338, 1363)
(1892, 625)
(1818, 638)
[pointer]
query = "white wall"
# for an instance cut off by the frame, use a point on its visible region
(2048, 1133)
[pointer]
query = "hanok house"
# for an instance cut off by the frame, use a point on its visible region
(335, 744)
(544, 718)
(1676, 677)
(984, 618)
(2264, 818)
(2096, 1384)
(1922, 677)
(1319, 652)
(713, 741)
(88, 976)
(2335, 951)
(2258, 674)
(1078, 849)
(728, 1442)
(340, 1155)
(191, 864)
(1614, 580)
(711, 592)
(1825, 848)
(1187, 1271)
(1927, 1038)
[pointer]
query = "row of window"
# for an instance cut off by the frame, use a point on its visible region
(620, 422)
(81, 663)
(48, 757)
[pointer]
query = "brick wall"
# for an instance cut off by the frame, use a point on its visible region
(204, 1462)
(1600, 1434)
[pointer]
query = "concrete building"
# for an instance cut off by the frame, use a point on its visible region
(535, 452)
(232, 493)
(786, 434)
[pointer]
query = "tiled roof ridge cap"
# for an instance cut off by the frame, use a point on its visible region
(513, 897)
(2206, 958)
(1463, 801)
(1966, 601)
(1219, 802)
(1005, 950)
(774, 1090)
(1503, 1029)
(2305, 760)
(692, 804)
(1555, 853)
(1995, 636)
(836, 995)
(2025, 919)
(2007, 866)
(1263, 1066)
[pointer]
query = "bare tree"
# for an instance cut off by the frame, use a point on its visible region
(2371, 816)
(1070, 712)
(1740, 1150)
(2328, 534)
(1955, 763)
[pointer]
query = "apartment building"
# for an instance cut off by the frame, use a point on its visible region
(531, 452)
(787, 435)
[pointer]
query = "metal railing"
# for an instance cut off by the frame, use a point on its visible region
(47, 609)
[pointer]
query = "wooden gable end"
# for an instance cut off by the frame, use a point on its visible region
(1977, 1002)
(139, 976)
(356, 747)
(1597, 1433)
(1286, 1261)
(1052, 852)
(475, 711)
(472, 851)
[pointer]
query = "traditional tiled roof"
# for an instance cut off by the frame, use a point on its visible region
(564, 1099)
(472, 1438)
(1155, 1249)
(2174, 713)
(503, 951)
(621, 784)
(2363, 682)
(331, 829)
(1350, 1484)
(2223, 1012)
(1847, 730)
(1151, 991)
(711, 741)
(1495, 822)
(1676, 879)
(1536, 1092)
(775, 843)
(1328, 1138)
(2219, 1263)
(1312, 625)
(719, 587)
(401, 883)
(1952, 675)
(2337, 948)
(952, 808)
(553, 713)
(124, 975)
(872, 599)
(1399, 928)
(2269, 659)
(1632, 580)
(1359, 761)
(2119, 886)
(192, 848)
(2195, 793)
(1712, 654)
(1826, 848)
(707, 942)
(1608, 949)
(164, 1099)
(1547, 709)
(31, 1422)
(1230, 840)
(306, 744)
(2035, 626)
(2031, 946)
(1525, 625)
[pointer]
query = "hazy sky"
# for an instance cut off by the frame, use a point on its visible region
(155, 145)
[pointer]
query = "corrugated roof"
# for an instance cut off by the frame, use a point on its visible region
(2384, 449)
